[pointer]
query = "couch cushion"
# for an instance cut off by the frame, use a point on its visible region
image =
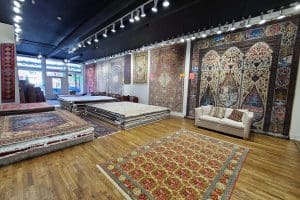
(218, 112)
(206, 109)
(229, 122)
(210, 118)
(228, 111)
(236, 115)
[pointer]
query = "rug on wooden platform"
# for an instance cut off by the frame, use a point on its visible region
(184, 165)
(101, 128)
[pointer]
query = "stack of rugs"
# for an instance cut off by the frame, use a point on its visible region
(14, 109)
(29, 135)
(127, 115)
(29, 93)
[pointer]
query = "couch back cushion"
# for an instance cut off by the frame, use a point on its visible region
(218, 112)
(206, 109)
(236, 115)
(228, 111)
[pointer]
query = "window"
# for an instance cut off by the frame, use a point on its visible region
(33, 77)
(56, 74)
(55, 65)
(75, 82)
(56, 85)
(28, 62)
(72, 67)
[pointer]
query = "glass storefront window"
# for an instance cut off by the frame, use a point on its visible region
(28, 62)
(33, 77)
(72, 67)
(56, 85)
(56, 74)
(55, 65)
(75, 82)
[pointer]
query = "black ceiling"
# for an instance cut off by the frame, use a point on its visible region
(42, 32)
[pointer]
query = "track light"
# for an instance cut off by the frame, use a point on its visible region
(154, 8)
(89, 42)
(248, 23)
(122, 24)
(137, 15)
(203, 35)
(17, 4)
(143, 14)
(96, 40)
(281, 15)
(16, 10)
(131, 19)
(113, 28)
(166, 3)
(262, 20)
(232, 26)
(79, 45)
(18, 18)
(105, 33)
(297, 6)
(17, 25)
(18, 30)
(182, 40)
(40, 56)
(219, 31)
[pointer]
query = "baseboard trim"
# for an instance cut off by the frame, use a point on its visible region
(295, 137)
(177, 114)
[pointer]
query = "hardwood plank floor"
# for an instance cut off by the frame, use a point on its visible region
(271, 171)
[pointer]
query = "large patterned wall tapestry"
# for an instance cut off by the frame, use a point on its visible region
(90, 78)
(127, 69)
(166, 84)
(7, 73)
(140, 68)
(110, 75)
(254, 69)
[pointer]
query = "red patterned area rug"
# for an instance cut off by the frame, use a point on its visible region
(185, 165)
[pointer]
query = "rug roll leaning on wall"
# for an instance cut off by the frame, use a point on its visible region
(90, 78)
(253, 69)
(166, 82)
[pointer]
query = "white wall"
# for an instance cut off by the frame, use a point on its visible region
(7, 36)
(295, 124)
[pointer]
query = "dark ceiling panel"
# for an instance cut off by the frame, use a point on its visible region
(42, 32)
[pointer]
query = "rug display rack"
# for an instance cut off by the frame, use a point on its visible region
(28, 135)
(78, 103)
(127, 115)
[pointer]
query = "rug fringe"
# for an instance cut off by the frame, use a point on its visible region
(126, 196)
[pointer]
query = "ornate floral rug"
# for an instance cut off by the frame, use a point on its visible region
(185, 165)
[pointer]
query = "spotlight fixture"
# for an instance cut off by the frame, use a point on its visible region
(122, 24)
(113, 28)
(154, 8)
(16, 10)
(166, 3)
(262, 20)
(131, 19)
(18, 18)
(248, 23)
(182, 40)
(105, 33)
(297, 6)
(193, 38)
(143, 14)
(79, 45)
(18, 30)
(89, 42)
(203, 35)
(137, 15)
(40, 56)
(232, 26)
(17, 4)
(281, 15)
(219, 31)
(17, 25)
(96, 39)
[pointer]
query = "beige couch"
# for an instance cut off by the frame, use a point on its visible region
(225, 125)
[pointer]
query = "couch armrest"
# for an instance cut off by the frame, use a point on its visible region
(198, 113)
(247, 121)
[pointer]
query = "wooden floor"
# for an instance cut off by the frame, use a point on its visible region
(271, 171)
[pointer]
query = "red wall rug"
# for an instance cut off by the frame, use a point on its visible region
(185, 165)
(8, 73)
